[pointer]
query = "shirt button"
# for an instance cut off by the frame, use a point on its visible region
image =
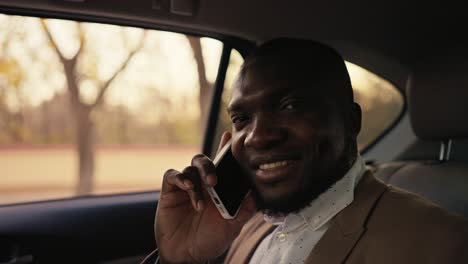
(281, 237)
(316, 221)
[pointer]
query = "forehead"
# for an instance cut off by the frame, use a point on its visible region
(271, 84)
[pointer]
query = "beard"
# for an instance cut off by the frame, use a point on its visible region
(321, 169)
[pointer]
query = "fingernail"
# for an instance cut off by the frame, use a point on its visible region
(211, 180)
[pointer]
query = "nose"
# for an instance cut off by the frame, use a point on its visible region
(264, 133)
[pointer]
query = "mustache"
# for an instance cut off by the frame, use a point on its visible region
(256, 157)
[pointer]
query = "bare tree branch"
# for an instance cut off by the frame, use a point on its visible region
(122, 67)
(204, 85)
(69, 66)
(82, 38)
(198, 55)
(51, 40)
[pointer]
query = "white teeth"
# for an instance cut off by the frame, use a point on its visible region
(273, 165)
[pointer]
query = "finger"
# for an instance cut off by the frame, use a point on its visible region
(206, 169)
(224, 140)
(196, 192)
(174, 180)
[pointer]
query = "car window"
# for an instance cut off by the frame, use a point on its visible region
(90, 108)
(381, 102)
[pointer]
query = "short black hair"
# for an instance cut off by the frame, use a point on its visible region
(307, 60)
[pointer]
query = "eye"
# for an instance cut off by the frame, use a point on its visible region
(236, 119)
(290, 105)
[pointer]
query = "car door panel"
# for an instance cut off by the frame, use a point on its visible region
(82, 230)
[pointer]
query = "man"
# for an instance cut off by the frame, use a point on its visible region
(294, 133)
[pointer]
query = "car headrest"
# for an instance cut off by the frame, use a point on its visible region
(438, 101)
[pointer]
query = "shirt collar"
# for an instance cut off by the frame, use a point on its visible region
(327, 205)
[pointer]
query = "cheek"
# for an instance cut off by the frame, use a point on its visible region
(330, 142)
(336, 142)
(334, 133)
(237, 145)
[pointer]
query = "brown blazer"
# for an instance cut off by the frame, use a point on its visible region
(382, 225)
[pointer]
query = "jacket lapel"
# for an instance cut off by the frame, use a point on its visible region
(349, 225)
(249, 245)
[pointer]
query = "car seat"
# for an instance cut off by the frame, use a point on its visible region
(436, 166)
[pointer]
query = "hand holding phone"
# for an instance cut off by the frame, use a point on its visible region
(185, 216)
(232, 186)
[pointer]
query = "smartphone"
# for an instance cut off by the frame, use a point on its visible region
(233, 185)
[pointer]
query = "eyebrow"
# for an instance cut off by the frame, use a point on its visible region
(237, 106)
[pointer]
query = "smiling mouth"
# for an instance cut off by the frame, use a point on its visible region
(276, 171)
(274, 165)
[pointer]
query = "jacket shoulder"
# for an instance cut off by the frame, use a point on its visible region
(415, 228)
(401, 206)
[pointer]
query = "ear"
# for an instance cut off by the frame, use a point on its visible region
(356, 119)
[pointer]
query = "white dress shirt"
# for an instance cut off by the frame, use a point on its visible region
(297, 234)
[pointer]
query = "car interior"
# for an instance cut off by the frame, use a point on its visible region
(417, 47)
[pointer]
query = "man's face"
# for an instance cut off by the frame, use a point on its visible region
(289, 136)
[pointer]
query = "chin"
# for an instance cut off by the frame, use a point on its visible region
(280, 200)
(292, 196)
(321, 170)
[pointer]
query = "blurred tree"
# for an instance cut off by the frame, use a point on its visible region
(11, 78)
(205, 86)
(50, 121)
(81, 111)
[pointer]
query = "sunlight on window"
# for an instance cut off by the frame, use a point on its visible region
(88, 108)
(380, 101)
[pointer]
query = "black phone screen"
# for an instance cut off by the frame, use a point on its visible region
(232, 184)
